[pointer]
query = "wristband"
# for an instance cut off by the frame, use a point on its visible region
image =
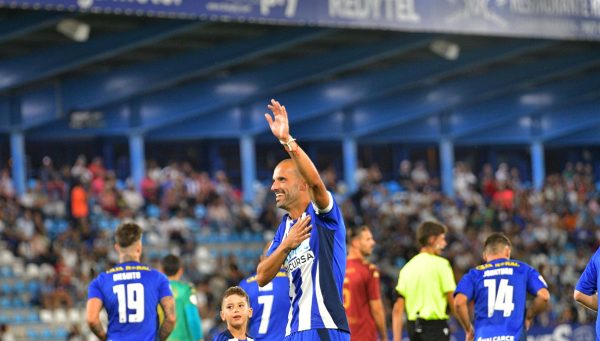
(288, 143)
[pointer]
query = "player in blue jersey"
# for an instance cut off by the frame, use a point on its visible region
(499, 288)
(586, 290)
(270, 306)
(310, 243)
(130, 292)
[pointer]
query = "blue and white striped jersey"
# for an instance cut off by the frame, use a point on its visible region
(316, 270)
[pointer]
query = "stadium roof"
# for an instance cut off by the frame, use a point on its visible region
(171, 79)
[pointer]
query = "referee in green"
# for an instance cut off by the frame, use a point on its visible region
(425, 288)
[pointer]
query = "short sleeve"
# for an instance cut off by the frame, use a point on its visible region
(588, 282)
(466, 285)
(401, 286)
(326, 209)
(447, 277)
(373, 283)
(535, 281)
(164, 289)
(94, 290)
(275, 243)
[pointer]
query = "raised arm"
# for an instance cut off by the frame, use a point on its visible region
(279, 125)
(168, 305)
(94, 305)
(269, 267)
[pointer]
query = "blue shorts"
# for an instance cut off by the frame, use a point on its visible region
(320, 334)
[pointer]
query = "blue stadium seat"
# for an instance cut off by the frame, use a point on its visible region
(5, 302)
(61, 333)
(19, 287)
(192, 225)
(120, 184)
(104, 223)
(200, 211)
(32, 334)
(6, 288)
(33, 286)
(18, 302)
(46, 334)
(31, 183)
(153, 211)
(18, 319)
(8, 272)
(32, 316)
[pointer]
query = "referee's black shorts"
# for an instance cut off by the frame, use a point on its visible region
(430, 330)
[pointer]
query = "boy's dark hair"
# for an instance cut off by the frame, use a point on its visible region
(170, 264)
(354, 231)
(495, 242)
(127, 234)
(429, 229)
(237, 290)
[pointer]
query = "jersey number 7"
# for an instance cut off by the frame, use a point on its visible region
(130, 297)
(503, 300)
(267, 302)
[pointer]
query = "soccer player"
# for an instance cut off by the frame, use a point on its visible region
(188, 325)
(235, 312)
(425, 287)
(362, 299)
(130, 292)
(270, 306)
(499, 289)
(586, 290)
(314, 258)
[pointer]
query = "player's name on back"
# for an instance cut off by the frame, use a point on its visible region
(498, 272)
(123, 276)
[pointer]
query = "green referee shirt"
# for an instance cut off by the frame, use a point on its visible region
(424, 282)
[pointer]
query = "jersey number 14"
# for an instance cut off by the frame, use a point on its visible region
(130, 297)
(500, 296)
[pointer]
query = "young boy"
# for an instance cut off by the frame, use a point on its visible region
(235, 311)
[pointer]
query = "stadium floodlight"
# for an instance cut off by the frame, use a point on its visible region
(445, 49)
(74, 29)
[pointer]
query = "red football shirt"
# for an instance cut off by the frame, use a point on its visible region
(361, 285)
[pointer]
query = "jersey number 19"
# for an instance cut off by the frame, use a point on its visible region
(500, 296)
(130, 296)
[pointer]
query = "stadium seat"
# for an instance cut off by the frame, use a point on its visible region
(200, 211)
(60, 333)
(5, 302)
(46, 315)
(75, 316)
(32, 271)
(32, 334)
(59, 316)
(153, 211)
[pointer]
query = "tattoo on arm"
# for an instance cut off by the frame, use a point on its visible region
(98, 330)
(168, 305)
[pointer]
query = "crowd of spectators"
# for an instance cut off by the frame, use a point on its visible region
(64, 221)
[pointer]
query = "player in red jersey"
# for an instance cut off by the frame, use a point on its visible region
(362, 299)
